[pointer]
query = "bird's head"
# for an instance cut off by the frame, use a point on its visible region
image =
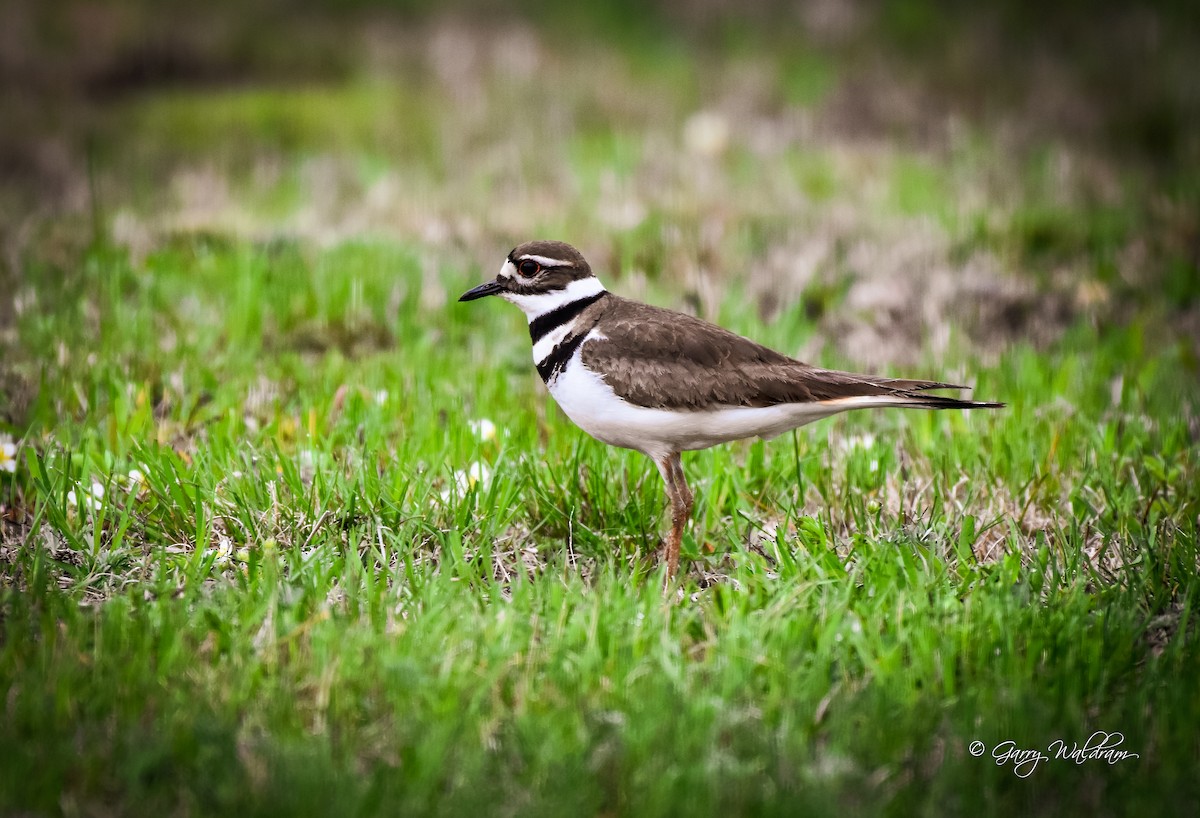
(539, 276)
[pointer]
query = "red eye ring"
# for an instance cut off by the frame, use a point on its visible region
(528, 267)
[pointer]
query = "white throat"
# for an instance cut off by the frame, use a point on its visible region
(538, 304)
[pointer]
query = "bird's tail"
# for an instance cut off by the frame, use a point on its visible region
(898, 392)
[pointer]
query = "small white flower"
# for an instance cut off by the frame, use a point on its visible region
(483, 428)
(87, 500)
(381, 397)
(8, 454)
(223, 550)
(135, 479)
(477, 476)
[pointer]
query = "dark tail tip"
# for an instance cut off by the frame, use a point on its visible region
(940, 402)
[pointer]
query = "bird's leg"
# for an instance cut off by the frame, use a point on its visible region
(668, 476)
(671, 468)
(680, 514)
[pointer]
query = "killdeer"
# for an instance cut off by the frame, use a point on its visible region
(662, 382)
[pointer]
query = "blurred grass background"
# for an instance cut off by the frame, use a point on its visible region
(232, 238)
(1054, 147)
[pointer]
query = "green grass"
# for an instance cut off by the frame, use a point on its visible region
(298, 608)
(306, 605)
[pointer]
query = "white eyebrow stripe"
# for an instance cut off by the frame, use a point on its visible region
(508, 270)
(546, 261)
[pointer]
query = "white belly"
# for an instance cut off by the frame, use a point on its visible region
(593, 406)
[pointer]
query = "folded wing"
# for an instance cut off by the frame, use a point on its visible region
(662, 359)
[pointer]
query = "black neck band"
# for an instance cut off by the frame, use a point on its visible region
(543, 324)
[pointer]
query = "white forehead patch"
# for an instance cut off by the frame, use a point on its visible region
(508, 270)
(546, 261)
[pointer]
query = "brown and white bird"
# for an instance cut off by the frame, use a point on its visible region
(661, 382)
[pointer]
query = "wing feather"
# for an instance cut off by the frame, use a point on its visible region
(662, 359)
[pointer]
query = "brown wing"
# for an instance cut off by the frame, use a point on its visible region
(667, 360)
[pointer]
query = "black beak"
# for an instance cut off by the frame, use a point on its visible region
(487, 288)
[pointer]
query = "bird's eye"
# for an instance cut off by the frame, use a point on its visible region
(528, 268)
